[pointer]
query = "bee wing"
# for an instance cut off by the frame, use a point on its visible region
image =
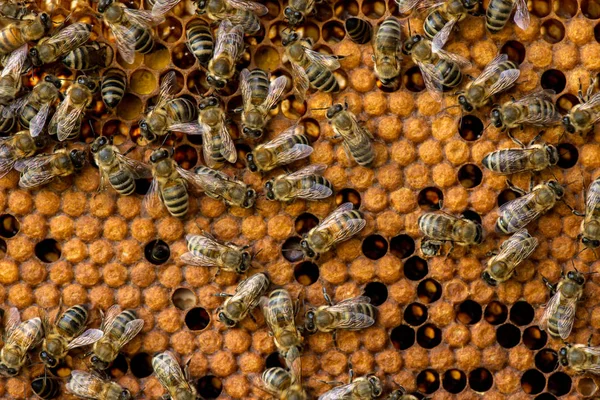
(519, 246)
(131, 330)
(432, 80)
(354, 300)
(68, 120)
(513, 159)
(166, 87)
(522, 14)
(207, 148)
(545, 94)
(170, 368)
(301, 82)
(325, 60)
(519, 203)
(341, 209)
(189, 128)
(161, 7)
(440, 38)
(565, 322)
(461, 61)
(36, 125)
(227, 147)
(69, 38)
(125, 39)
(86, 338)
(490, 69)
(312, 169)
(354, 320)
(406, 6)
(549, 310)
(144, 18)
(352, 226)
(139, 169)
(245, 86)
(297, 152)
(507, 79)
(84, 384)
(206, 182)
(196, 258)
(276, 89)
(109, 317)
(248, 5)
(15, 106)
(152, 199)
(15, 62)
(343, 392)
(41, 177)
(593, 197)
(13, 319)
(230, 39)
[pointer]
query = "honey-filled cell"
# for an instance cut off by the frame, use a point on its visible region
(142, 82)
(130, 107)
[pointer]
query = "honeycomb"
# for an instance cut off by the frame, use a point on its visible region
(441, 331)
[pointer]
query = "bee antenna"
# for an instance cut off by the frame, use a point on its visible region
(165, 140)
(409, 31)
(209, 93)
(487, 126)
(92, 128)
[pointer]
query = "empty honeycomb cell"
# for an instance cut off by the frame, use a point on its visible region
(291, 250)
(305, 222)
(428, 381)
(469, 312)
(374, 247)
(541, 8)
(348, 195)
(521, 313)
(533, 381)
(534, 338)
(507, 195)
(429, 291)
(413, 80)
(470, 128)
(48, 250)
(130, 107)
(508, 336)
(559, 383)
(415, 268)
(274, 9)
(495, 313)
(183, 298)
(169, 30)
(587, 387)
(481, 380)
(415, 314)
(141, 365)
(377, 292)
(310, 30)
(9, 226)
(333, 32)
(306, 273)
(454, 381)
(267, 58)
(590, 9)
(157, 252)
(197, 319)
(274, 360)
(470, 176)
(402, 246)
(565, 102)
(292, 108)
(430, 199)
(429, 336)
(554, 79)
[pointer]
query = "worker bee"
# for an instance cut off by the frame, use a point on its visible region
(200, 40)
(246, 297)
(364, 388)
(580, 358)
(216, 140)
(132, 28)
(117, 169)
(559, 313)
(512, 253)
(19, 338)
(499, 75)
(518, 213)
(306, 183)
(65, 334)
(56, 46)
(167, 112)
(219, 185)
(45, 388)
(291, 145)
(42, 169)
(16, 10)
(357, 140)
(205, 250)
(387, 51)
(351, 314)
(282, 384)
(172, 378)
(90, 386)
(535, 109)
(340, 225)
(309, 67)
(229, 47)
(583, 116)
(259, 97)
(10, 77)
(91, 56)
(19, 33)
(113, 86)
(445, 15)
(66, 121)
(280, 313)
(119, 328)
(590, 226)
(359, 30)
(441, 228)
(498, 13)
(534, 157)
(297, 11)
(14, 149)
(239, 12)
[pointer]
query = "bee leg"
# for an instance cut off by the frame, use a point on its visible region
(335, 339)
(449, 250)
(590, 339)
(550, 286)
(350, 372)
(332, 383)
(515, 189)
(580, 93)
(514, 139)
(252, 317)
(491, 253)
(327, 298)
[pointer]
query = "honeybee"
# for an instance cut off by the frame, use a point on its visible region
(364, 388)
(357, 139)
(518, 213)
(580, 358)
(219, 185)
(229, 47)
(19, 33)
(309, 67)
(56, 46)
(14, 149)
(132, 28)
(498, 13)
(282, 384)
(306, 183)
(20, 337)
(583, 116)
(10, 77)
(117, 169)
(590, 226)
(499, 75)
(113, 86)
(512, 253)
(42, 169)
(239, 12)
(259, 97)
(15, 10)
(90, 386)
(534, 157)
(351, 314)
(291, 145)
(217, 146)
(535, 109)
(91, 56)
(205, 250)
(358, 30)
(246, 297)
(200, 40)
(400, 394)
(172, 378)
(45, 388)
(119, 328)
(441, 228)
(443, 17)
(387, 51)
(559, 313)
(167, 112)
(280, 313)
(340, 225)
(7, 120)
(297, 11)
(66, 121)
(66, 333)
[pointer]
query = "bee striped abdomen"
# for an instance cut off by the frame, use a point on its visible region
(540, 108)
(434, 23)
(200, 41)
(359, 30)
(498, 14)
(176, 199)
(113, 87)
(10, 39)
(450, 73)
(118, 326)
(277, 378)
(308, 182)
(258, 80)
(501, 162)
(72, 320)
(181, 110)
(7, 124)
(122, 181)
(144, 43)
(554, 319)
(45, 387)
(322, 78)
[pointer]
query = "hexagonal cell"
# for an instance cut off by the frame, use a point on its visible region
(342, 78)
(9, 226)
(469, 312)
(137, 61)
(534, 338)
(197, 319)
(470, 176)
(310, 30)
(323, 11)
(495, 313)
(554, 79)
(291, 250)
(533, 381)
(182, 56)
(429, 336)
(119, 367)
(415, 314)
(374, 247)
(481, 380)
(348, 195)
(170, 30)
(521, 313)
(196, 82)
(428, 381)
(183, 298)
(377, 292)
(274, 9)
(46, 387)
(186, 156)
(373, 8)
(142, 82)
(587, 387)
(470, 128)
(515, 51)
(210, 387)
(590, 8)
(472, 216)
(306, 273)
(559, 384)
(415, 268)
(430, 199)
(275, 360)
(568, 155)
(157, 252)
(545, 396)
(553, 31)
(159, 58)
(293, 109)
(546, 360)
(141, 365)
(412, 80)
(508, 336)
(402, 337)
(565, 102)
(541, 8)
(312, 129)
(333, 32)
(454, 381)
(130, 107)
(142, 186)
(48, 250)
(507, 195)
(305, 222)
(566, 8)
(402, 246)
(345, 8)
(429, 291)
(267, 58)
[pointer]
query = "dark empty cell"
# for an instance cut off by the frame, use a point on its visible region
(559, 383)
(415, 314)
(183, 298)
(402, 337)
(142, 186)
(430, 198)
(566, 8)
(495, 313)
(291, 250)
(413, 80)
(553, 31)
(415, 268)
(186, 156)
(157, 252)
(209, 387)
(534, 338)
(454, 381)
(402, 246)
(514, 50)
(472, 216)
(377, 292)
(586, 387)
(590, 8)
(554, 79)
(429, 290)
(546, 360)
(565, 102)
(373, 8)
(241, 149)
(141, 365)
(197, 319)
(481, 380)
(348, 195)
(306, 273)
(428, 381)
(48, 250)
(469, 176)
(568, 155)
(469, 312)
(305, 222)
(470, 128)
(374, 247)
(521, 313)
(541, 8)
(545, 396)
(429, 336)
(323, 11)
(45, 387)
(275, 360)
(507, 195)
(508, 336)
(533, 381)
(119, 367)
(597, 32)
(9, 226)
(182, 57)
(333, 32)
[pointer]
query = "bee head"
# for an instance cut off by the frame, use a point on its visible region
(159, 155)
(269, 189)
(488, 279)
(215, 82)
(53, 80)
(496, 117)
(40, 142)
(201, 6)
(552, 153)
(48, 360)
(567, 124)
(98, 363)
(465, 104)
(145, 130)
(334, 110)
(290, 38)
(410, 43)
(34, 56)
(211, 101)
(310, 325)
(46, 21)
(99, 143)
(556, 187)
(293, 17)
(376, 388)
(576, 277)
(77, 158)
(252, 133)
(6, 371)
(224, 318)
(103, 5)
(124, 395)
(591, 243)
(250, 162)
(250, 198)
(308, 252)
(564, 360)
